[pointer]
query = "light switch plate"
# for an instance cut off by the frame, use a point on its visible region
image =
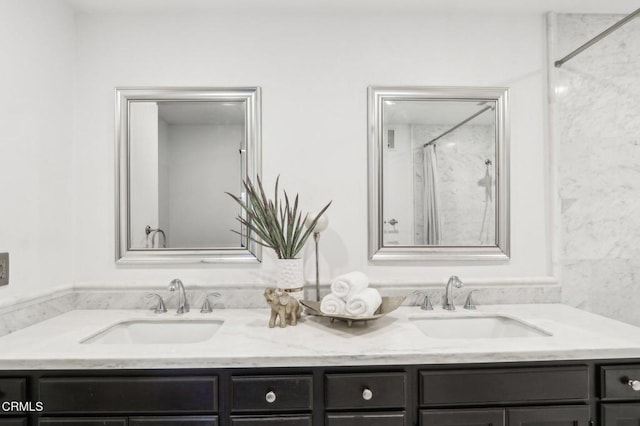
(4, 268)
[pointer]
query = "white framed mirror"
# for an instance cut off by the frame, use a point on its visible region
(438, 174)
(178, 151)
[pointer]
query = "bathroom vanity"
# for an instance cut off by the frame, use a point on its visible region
(549, 393)
(387, 373)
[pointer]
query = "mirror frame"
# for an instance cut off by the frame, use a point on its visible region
(252, 251)
(377, 95)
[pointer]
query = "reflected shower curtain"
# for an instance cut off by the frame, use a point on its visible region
(431, 205)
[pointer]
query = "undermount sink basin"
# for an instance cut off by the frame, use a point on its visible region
(476, 327)
(141, 332)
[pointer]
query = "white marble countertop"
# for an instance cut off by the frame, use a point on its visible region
(244, 340)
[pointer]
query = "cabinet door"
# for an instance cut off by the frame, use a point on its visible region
(82, 421)
(13, 389)
(620, 414)
(366, 419)
(549, 416)
(462, 417)
(13, 422)
(130, 395)
(174, 421)
(271, 421)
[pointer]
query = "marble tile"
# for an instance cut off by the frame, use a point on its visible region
(29, 313)
(599, 167)
(461, 165)
(597, 127)
(601, 228)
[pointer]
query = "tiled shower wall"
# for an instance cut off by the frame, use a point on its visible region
(596, 117)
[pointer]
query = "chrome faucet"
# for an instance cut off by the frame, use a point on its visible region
(448, 293)
(183, 303)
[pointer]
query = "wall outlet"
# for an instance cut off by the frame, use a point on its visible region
(4, 268)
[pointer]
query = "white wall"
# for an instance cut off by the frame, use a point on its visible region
(205, 163)
(164, 183)
(144, 131)
(37, 45)
(314, 71)
(398, 186)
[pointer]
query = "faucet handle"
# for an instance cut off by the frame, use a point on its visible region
(206, 306)
(160, 307)
(469, 303)
(426, 302)
(417, 293)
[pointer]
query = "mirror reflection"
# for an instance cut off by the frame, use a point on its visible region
(184, 156)
(439, 168)
(438, 173)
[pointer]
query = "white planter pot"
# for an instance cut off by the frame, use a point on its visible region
(290, 277)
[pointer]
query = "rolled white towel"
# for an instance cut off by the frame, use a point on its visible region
(347, 285)
(332, 305)
(364, 304)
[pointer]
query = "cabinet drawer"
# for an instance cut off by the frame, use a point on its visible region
(13, 422)
(374, 390)
(13, 390)
(174, 421)
(620, 414)
(475, 386)
(271, 393)
(549, 416)
(75, 421)
(615, 382)
(129, 395)
(366, 419)
(470, 417)
(271, 421)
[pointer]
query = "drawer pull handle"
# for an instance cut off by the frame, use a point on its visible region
(634, 384)
(367, 394)
(270, 397)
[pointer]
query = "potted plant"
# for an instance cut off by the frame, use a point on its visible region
(279, 225)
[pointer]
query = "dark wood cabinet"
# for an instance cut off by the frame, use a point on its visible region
(548, 416)
(620, 415)
(13, 422)
(366, 419)
(462, 417)
(131, 421)
(529, 416)
(130, 395)
(75, 421)
(570, 393)
(174, 421)
(12, 389)
(271, 421)
(502, 385)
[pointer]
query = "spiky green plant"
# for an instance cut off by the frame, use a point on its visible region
(272, 223)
